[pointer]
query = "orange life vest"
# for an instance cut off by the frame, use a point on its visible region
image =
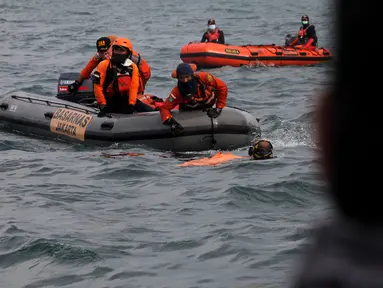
(211, 37)
(116, 83)
(215, 160)
(207, 97)
(124, 81)
(152, 101)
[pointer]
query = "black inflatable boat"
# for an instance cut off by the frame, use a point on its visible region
(73, 122)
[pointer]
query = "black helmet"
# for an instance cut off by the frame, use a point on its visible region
(262, 149)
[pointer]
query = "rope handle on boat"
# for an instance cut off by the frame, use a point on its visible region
(213, 141)
(276, 47)
(48, 102)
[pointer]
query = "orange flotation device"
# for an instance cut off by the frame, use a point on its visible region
(215, 160)
(152, 100)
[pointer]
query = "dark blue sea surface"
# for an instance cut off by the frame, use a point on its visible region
(72, 218)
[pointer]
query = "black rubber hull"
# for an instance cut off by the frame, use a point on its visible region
(71, 122)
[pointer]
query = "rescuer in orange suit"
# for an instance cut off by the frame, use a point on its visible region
(213, 34)
(104, 52)
(193, 91)
(116, 82)
(306, 38)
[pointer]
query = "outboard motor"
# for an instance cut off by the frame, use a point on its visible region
(84, 94)
(288, 39)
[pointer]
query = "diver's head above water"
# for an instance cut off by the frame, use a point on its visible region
(262, 149)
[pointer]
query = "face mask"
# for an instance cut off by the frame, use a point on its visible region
(118, 59)
(305, 22)
(188, 89)
(211, 27)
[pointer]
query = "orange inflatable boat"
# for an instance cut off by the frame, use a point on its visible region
(217, 55)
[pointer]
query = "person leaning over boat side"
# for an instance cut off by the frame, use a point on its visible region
(116, 82)
(306, 35)
(260, 150)
(104, 52)
(193, 91)
(213, 34)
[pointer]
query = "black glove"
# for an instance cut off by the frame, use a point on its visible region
(176, 127)
(213, 112)
(103, 111)
(130, 109)
(74, 86)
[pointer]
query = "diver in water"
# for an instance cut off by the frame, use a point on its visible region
(260, 150)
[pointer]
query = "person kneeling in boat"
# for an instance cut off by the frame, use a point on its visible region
(116, 82)
(104, 52)
(306, 38)
(193, 91)
(213, 34)
(260, 150)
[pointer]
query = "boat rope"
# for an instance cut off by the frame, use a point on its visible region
(55, 103)
(213, 141)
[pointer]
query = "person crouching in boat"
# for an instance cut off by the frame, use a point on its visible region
(213, 34)
(260, 150)
(306, 38)
(116, 82)
(104, 52)
(193, 91)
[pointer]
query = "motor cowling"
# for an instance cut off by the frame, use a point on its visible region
(288, 39)
(84, 94)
